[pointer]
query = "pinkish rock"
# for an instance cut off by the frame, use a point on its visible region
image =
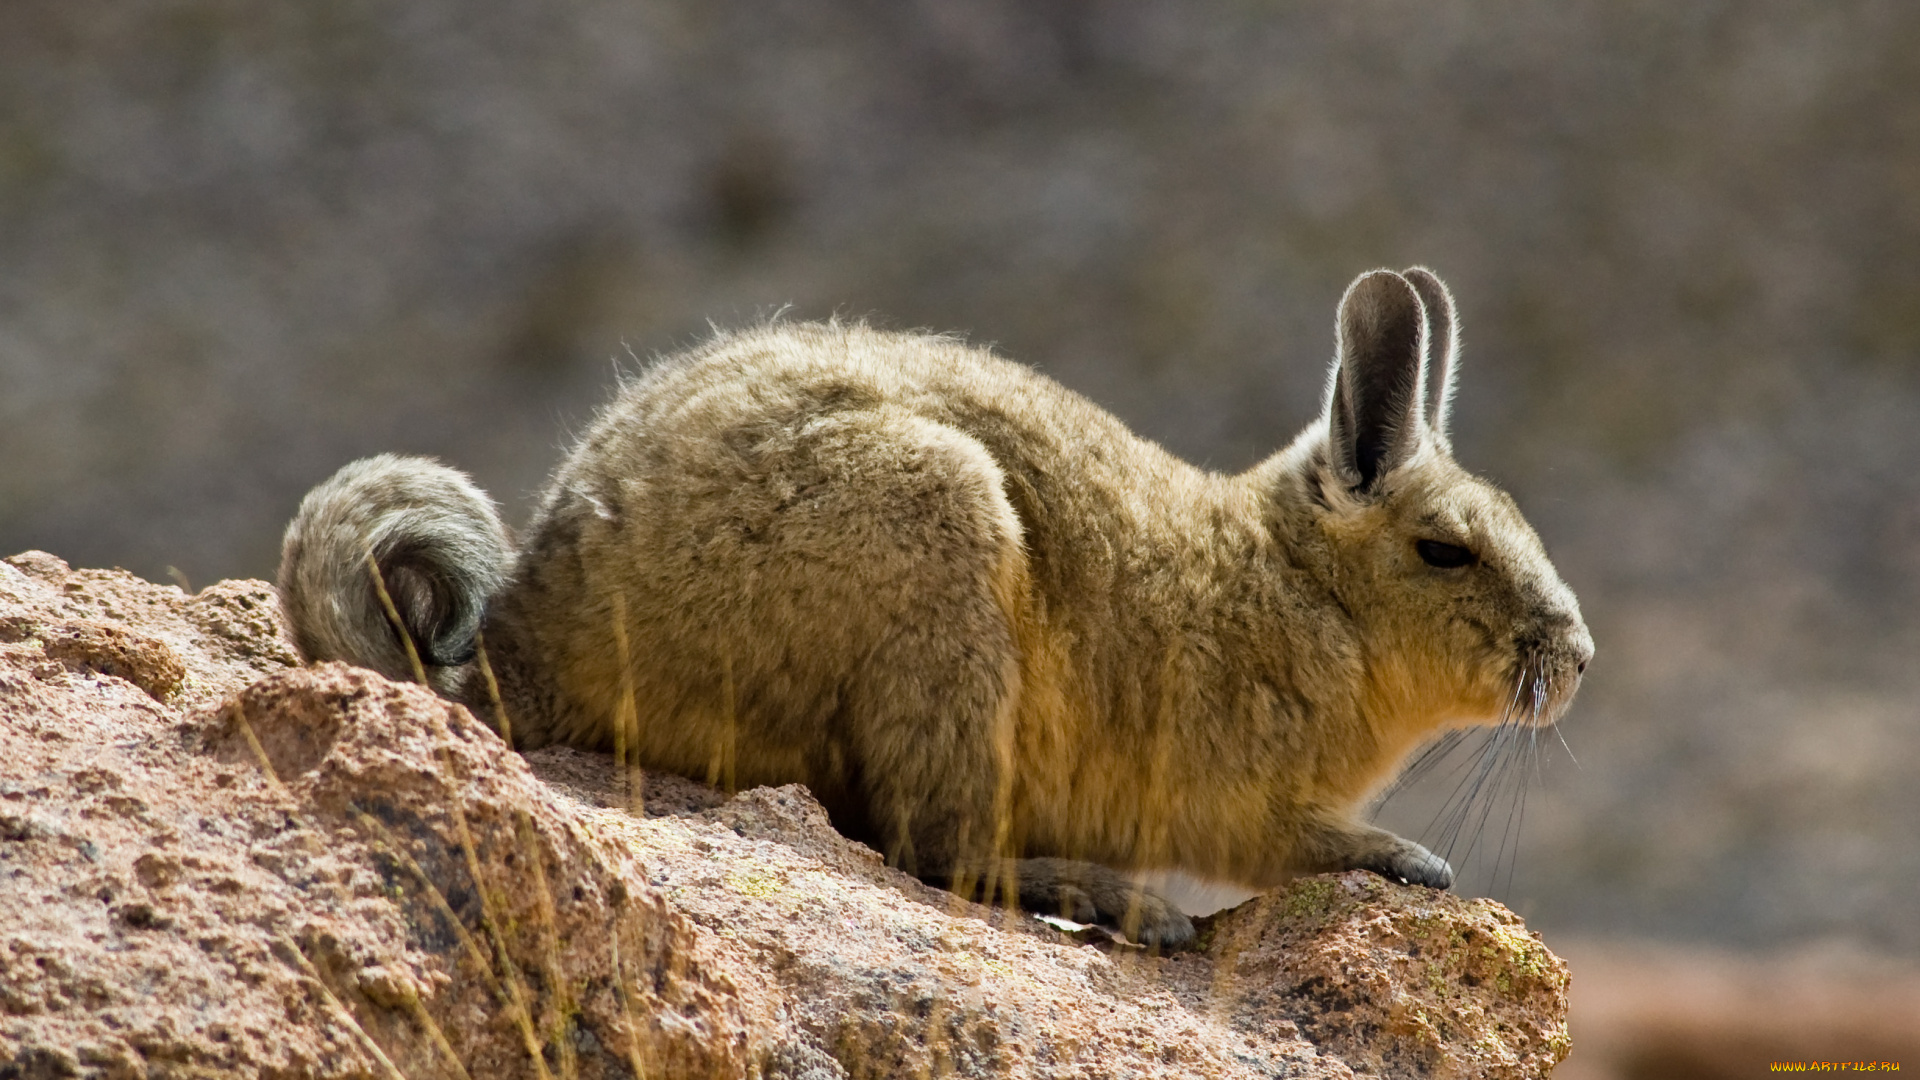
(215, 863)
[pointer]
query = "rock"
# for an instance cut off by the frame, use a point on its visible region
(216, 863)
(1396, 980)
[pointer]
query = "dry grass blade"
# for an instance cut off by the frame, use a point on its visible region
(500, 721)
(340, 1007)
(475, 953)
(940, 1056)
(390, 844)
(259, 752)
(490, 915)
(1221, 994)
(626, 724)
(558, 991)
(720, 771)
(393, 616)
(626, 1005)
(425, 1019)
(563, 1003)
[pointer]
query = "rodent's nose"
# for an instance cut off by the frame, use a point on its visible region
(1582, 650)
(1569, 638)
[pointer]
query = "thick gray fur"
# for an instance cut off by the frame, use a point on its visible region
(442, 551)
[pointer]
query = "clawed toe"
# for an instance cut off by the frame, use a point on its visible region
(1415, 865)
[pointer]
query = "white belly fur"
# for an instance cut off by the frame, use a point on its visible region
(1193, 895)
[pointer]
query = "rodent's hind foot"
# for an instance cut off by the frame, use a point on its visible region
(1090, 893)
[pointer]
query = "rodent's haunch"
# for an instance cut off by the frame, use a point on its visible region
(998, 635)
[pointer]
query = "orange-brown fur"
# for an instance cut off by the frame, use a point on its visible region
(983, 621)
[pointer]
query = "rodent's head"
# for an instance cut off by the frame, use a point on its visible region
(1461, 616)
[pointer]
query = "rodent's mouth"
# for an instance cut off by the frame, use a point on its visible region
(1543, 686)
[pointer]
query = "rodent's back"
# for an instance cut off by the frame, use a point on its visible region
(1095, 501)
(758, 382)
(729, 499)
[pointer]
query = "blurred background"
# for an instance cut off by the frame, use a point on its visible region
(242, 244)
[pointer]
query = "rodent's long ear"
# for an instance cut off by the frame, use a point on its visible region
(1443, 344)
(1375, 406)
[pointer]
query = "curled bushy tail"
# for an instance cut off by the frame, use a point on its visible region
(442, 552)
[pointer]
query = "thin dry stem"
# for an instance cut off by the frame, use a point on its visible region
(1227, 950)
(500, 721)
(425, 1019)
(259, 752)
(626, 725)
(475, 952)
(393, 615)
(939, 1050)
(516, 987)
(626, 681)
(340, 1007)
(626, 1005)
(1156, 797)
(562, 999)
(720, 771)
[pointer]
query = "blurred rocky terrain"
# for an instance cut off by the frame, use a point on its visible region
(1687, 1013)
(242, 244)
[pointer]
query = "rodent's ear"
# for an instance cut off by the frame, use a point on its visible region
(1375, 406)
(1443, 344)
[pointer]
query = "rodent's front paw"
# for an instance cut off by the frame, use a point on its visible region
(1415, 865)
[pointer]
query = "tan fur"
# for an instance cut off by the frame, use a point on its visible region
(982, 620)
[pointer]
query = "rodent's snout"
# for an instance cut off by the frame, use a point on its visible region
(1550, 661)
(1577, 649)
(1564, 634)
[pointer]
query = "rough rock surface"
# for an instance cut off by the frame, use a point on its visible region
(215, 863)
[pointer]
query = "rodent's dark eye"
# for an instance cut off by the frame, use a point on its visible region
(1444, 556)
